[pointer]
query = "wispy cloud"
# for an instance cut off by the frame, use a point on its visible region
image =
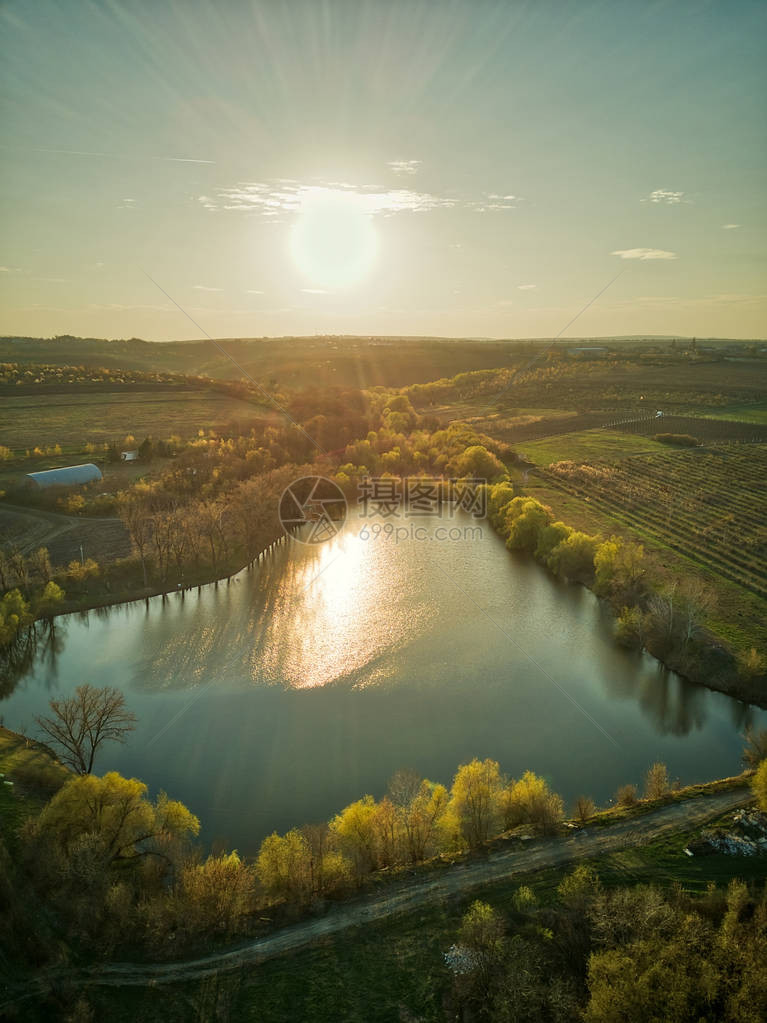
(204, 287)
(253, 291)
(404, 167)
(663, 195)
(644, 254)
(110, 156)
(315, 291)
(10, 269)
(51, 280)
(527, 287)
(271, 199)
(730, 227)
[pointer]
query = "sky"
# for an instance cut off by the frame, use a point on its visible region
(409, 167)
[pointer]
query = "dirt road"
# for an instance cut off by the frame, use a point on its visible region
(408, 896)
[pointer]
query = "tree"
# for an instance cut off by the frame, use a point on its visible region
(759, 785)
(475, 800)
(524, 521)
(530, 801)
(49, 599)
(15, 614)
(81, 724)
(115, 816)
(283, 865)
(755, 750)
(215, 896)
(40, 564)
(476, 462)
(573, 557)
(618, 567)
(656, 781)
(355, 833)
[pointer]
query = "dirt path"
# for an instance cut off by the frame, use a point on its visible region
(408, 896)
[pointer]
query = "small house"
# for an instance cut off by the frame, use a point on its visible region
(128, 456)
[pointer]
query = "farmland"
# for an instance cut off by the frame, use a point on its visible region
(74, 420)
(688, 501)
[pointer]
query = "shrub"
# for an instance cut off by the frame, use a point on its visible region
(585, 807)
(626, 795)
(656, 782)
(683, 440)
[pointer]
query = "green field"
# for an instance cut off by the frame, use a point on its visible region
(742, 413)
(586, 446)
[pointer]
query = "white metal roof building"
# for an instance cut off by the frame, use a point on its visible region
(67, 476)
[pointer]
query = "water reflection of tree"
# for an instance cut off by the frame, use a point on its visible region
(40, 644)
(675, 705)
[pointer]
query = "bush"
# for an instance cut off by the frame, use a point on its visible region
(585, 807)
(683, 440)
(626, 795)
(656, 782)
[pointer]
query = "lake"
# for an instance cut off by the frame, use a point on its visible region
(305, 682)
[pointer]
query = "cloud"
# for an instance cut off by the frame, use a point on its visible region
(663, 195)
(253, 291)
(52, 280)
(204, 287)
(273, 199)
(404, 167)
(10, 269)
(527, 287)
(730, 227)
(644, 254)
(315, 291)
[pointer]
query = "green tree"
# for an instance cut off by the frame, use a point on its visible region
(283, 865)
(476, 462)
(759, 785)
(530, 801)
(475, 800)
(49, 600)
(15, 614)
(355, 833)
(115, 815)
(573, 557)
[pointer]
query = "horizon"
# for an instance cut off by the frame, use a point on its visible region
(490, 171)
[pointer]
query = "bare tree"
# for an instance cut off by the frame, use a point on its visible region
(755, 750)
(80, 724)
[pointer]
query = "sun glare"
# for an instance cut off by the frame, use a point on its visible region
(333, 241)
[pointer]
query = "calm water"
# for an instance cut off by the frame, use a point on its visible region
(307, 682)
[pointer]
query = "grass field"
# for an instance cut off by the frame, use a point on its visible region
(72, 420)
(586, 446)
(34, 775)
(741, 413)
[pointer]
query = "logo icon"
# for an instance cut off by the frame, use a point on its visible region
(313, 501)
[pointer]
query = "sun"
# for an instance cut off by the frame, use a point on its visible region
(333, 241)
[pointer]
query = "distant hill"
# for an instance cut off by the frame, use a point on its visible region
(301, 361)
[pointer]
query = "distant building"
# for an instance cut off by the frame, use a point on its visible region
(68, 476)
(588, 351)
(128, 456)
